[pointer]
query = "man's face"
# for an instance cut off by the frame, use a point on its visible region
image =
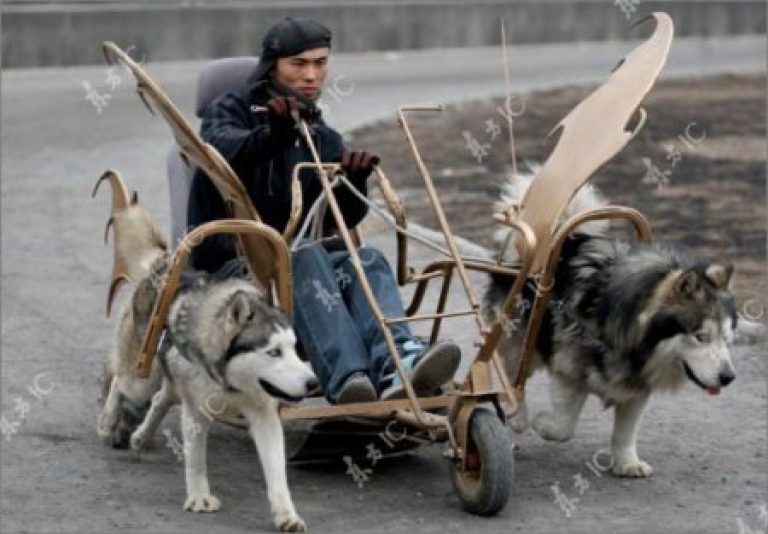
(305, 72)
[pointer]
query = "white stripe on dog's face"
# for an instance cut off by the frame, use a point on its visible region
(705, 355)
(728, 330)
(273, 368)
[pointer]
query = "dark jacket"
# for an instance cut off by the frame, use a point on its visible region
(242, 137)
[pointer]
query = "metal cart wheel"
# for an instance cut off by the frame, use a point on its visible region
(484, 485)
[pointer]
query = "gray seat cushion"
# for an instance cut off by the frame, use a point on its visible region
(179, 183)
(220, 76)
(216, 78)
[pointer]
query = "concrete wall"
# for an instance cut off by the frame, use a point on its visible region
(39, 34)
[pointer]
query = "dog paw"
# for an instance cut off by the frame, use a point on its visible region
(202, 503)
(290, 522)
(138, 442)
(104, 425)
(633, 469)
(549, 428)
(296, 524)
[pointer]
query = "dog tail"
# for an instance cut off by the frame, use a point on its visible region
(513, 192)
(137, 241)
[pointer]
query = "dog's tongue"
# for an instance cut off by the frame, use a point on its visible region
(713, 391)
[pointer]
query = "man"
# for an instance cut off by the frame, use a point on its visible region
(256, 133)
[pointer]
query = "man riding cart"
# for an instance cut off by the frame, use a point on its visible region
(255, 131)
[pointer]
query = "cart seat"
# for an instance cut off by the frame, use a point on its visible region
(216, 78)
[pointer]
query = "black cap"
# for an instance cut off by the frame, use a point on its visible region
(289, 37)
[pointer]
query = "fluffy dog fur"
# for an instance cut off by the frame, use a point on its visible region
(623, 321)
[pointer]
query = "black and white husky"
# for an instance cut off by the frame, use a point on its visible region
(229, 356)
(624, 321)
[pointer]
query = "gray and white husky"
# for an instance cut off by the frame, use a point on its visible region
(230, 355)
(623, 321)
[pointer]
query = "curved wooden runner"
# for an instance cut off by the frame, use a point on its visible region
(259, 253)
(264, 250)
(591, 134)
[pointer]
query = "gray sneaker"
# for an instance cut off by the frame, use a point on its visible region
(356, 388)
(429, 367)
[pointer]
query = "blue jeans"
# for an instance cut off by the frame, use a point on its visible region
(332, 318)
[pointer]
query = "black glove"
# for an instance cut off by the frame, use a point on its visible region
(281, 111)
(358, 165)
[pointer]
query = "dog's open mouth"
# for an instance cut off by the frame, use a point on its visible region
(276, 392)
(712, 390)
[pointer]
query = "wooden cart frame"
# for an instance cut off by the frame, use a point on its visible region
(478, 445)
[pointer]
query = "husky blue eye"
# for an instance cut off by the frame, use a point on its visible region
(275, 353)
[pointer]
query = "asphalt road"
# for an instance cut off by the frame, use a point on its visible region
(57, 476)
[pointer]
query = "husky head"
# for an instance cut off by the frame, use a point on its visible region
(691, 319)
(245, 344)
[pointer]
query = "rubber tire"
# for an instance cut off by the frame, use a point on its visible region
(485, 486)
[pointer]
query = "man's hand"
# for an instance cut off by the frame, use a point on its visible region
(281, 114)
(358, 165)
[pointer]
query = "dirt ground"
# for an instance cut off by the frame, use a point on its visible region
(704, 137)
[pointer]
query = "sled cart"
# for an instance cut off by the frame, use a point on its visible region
(468, 419)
